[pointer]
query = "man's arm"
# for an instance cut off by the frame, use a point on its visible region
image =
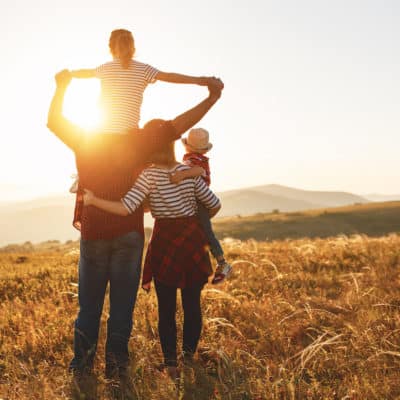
(157, 133)
(83, 73)
(64, 129)
(191, 117)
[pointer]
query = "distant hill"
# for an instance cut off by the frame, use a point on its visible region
(276, 197)
(50, 218)
(382, 197)
(372, 219)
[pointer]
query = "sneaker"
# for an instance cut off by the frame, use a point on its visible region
(222, 272)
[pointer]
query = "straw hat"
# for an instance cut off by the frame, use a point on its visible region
(197, 140)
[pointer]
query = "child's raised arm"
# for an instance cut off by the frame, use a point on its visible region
(114, 207)
(173, 77)
(83, 73)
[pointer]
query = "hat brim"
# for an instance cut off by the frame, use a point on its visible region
(185, 143)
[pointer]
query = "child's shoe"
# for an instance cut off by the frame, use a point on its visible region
(222, 272)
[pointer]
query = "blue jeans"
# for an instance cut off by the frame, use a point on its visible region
(204, 216)
(117, 261)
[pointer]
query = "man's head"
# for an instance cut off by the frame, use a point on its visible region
(154, 124)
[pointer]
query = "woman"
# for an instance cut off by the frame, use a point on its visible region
(177, 255)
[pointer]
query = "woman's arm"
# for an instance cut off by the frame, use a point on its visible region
(213, 211)
(114, 207)
(128, 204)
(204, 194)
(83, 73)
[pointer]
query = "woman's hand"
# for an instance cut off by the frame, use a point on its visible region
(88, 197)
(146, 287)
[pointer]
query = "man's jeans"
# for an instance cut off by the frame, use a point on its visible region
(204, 217)
(117, 261)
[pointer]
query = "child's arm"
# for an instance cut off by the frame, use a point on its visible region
(179, 176)
(83, 73)
(114, 207)
(173, 77)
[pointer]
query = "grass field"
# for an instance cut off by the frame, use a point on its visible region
(372, 219)
(299, 319)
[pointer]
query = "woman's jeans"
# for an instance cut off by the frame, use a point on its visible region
(117, 261)
(166, 296)
(204, 217)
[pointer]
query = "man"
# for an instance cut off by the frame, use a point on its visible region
(111, 246)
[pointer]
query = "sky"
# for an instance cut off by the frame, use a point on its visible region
(311, 94)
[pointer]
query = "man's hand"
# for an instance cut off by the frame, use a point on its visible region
(215, 88)
(211, 81)
(63, 78)
(88, 197)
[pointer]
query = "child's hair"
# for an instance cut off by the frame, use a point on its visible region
(165, 155)
(122, 46)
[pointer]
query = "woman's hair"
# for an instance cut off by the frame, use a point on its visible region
(122, 46)
(164, 156)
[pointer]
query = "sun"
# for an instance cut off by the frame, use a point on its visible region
(81, 103)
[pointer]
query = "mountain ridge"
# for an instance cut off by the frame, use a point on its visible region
(34, 220)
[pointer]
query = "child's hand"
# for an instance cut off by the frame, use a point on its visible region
(63, 78)
(176, 177)
(88, 197)
(146, 287)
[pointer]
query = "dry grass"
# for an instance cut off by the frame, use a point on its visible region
(301, 319)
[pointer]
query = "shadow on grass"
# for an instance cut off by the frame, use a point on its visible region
(196, 383)
(84, 387)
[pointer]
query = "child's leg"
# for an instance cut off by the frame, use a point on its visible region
(215, 247)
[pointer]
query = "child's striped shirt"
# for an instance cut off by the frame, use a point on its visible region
(122, 93)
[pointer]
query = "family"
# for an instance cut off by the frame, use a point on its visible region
(123, 171)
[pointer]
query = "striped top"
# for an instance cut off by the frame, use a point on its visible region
(122, 93)
(169, 200)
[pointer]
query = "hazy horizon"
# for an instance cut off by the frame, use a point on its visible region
(26, 194)
(311, 96)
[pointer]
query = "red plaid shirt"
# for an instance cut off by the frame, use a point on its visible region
(177, 254)
(193, 159)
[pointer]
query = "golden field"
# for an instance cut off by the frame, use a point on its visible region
(298, 319)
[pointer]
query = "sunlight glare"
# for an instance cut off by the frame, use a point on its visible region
(81, 104)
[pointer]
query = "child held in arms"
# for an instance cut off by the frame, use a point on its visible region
(197, 145)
